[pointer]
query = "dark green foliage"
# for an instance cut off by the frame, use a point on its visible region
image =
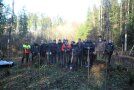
(130, 32)
(23, 23)
(2, 23)
(121, 15)
(2, 18)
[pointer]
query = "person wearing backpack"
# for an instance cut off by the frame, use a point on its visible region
(109, 50)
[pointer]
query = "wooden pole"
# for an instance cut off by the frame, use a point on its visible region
(71, 59)
(88, 60)
(131, 50)
(39, 64)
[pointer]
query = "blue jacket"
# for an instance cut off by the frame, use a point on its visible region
(109, 47)
(90, 45)
(52, 47)
(59, 46)
(43, 48)
(35, 48)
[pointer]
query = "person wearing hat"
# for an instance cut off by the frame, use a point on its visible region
(26, 51)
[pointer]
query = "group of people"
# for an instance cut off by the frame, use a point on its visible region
(70, 55)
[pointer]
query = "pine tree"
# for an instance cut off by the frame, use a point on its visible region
(23, 23)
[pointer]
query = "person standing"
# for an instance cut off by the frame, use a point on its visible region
(66, 48)
(109, 50)
(59, 52)
(43, 50)
(74, 54)
(26, 51)
(99, 48)
(79, 46)
(91, 47)
(49, 53)
(54, 51)
(34, 50)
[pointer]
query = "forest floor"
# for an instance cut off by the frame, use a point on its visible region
(53, 77)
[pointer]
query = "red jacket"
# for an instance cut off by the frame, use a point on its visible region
(65, 47)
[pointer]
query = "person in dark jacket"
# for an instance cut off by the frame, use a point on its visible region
(49, 53)
(35, 50)
(109, 48)
(74, 55)
(59, 52)
(91, 47)
(53, 47)
(73, 45)
(43, 50)
(79, 46)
